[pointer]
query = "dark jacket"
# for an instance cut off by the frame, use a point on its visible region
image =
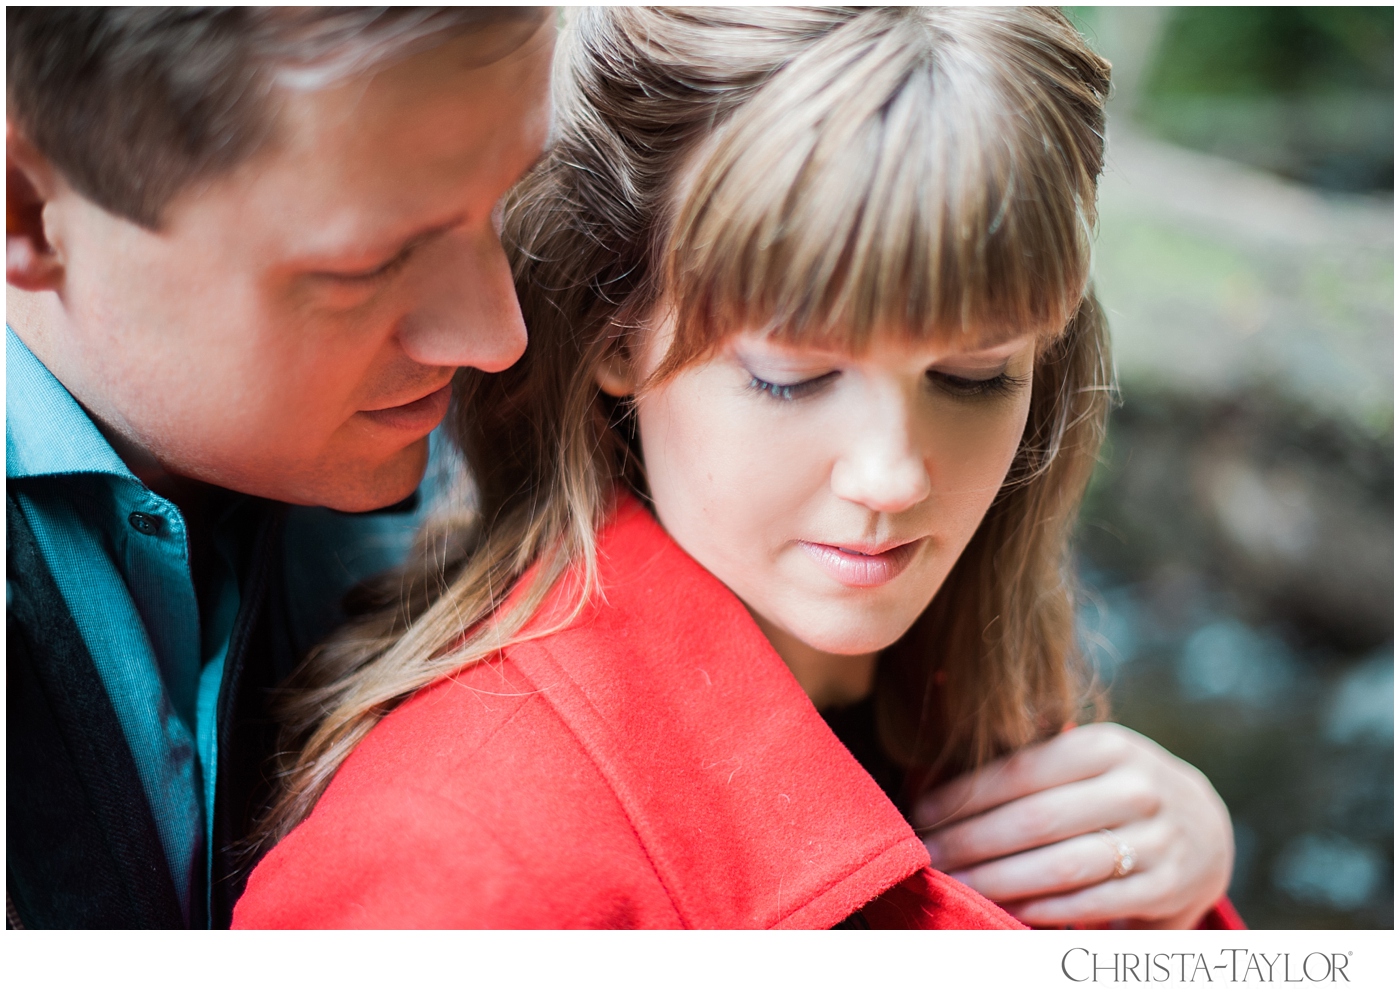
(82, 846)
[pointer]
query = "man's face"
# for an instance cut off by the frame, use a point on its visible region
(292, 329)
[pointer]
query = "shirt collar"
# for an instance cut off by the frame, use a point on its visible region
(46, 430)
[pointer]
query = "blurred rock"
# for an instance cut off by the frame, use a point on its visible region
(1271, 518)
(1301, 532)
(1219, 278)
(1291, 514)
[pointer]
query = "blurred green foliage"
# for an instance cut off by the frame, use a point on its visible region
(1274, 50)
(1306, 92)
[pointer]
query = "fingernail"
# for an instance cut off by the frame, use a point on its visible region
(962, 877)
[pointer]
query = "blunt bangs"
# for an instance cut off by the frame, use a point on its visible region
(891, 179)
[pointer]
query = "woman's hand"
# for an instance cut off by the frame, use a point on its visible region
(1025, 832)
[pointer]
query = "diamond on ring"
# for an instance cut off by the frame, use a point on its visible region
(1124, 854)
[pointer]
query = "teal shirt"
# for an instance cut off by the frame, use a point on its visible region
(120, 556)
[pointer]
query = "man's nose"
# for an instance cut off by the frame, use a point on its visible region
(466, 314)
(883, 467)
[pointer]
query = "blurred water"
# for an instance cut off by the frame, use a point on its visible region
(1297, 737)
(1329, 870)
(1226, 658)
(1363, 705)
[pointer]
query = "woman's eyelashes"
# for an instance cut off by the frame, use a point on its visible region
(794, 391)
(963, 386)
(999, 384)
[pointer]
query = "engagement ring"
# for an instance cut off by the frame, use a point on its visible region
(1124, 854)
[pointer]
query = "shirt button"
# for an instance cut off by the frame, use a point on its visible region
(144, 523)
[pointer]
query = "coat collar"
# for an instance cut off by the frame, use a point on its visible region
(750, 808)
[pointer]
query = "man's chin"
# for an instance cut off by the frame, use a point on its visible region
(365, 489)
(361, 502)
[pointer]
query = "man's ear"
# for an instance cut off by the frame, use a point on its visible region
(614, 375)
(31, 264)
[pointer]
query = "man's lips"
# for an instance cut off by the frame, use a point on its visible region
(861, 565)
(420, 416)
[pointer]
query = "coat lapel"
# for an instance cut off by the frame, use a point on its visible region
(751, 810)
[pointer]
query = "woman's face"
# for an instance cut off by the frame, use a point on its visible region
(831, 493)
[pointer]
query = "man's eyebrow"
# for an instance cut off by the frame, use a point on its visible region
(387, 257)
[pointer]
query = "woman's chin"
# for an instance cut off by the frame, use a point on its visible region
(854, 639)
(847, 622)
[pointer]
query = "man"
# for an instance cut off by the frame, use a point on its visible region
(247, 250)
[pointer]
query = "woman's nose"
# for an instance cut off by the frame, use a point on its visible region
(467, 314)
(883, 468)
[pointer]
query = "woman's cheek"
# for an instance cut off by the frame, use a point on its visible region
(696, 458)
(730, 474)
(748, 463)
(979, 448)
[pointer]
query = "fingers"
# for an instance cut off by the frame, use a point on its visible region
(1023, 831)
(1064, 867)
(1145, 899)
(1110, 900)
(1043, 818)
(1081, 753)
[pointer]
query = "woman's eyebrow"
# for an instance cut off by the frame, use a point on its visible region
(994, 350)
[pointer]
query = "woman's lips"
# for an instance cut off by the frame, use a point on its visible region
(420, 417)
(860, 569)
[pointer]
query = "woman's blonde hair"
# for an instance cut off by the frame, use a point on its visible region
(827, 175)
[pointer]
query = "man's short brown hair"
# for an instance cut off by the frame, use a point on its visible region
(132, 104)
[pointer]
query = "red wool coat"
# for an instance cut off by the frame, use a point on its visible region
(654, 765)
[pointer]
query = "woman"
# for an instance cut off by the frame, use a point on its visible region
(815, 384)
